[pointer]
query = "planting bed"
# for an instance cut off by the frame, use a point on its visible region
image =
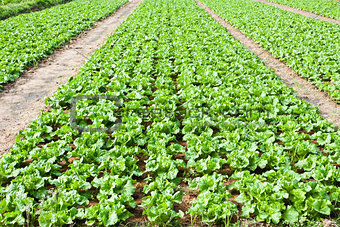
(307, 45)
(328, 8)
(12, 8)
(26, 39)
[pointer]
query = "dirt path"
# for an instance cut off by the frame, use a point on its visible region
(23, 100)
(303, 88)
(301, 12)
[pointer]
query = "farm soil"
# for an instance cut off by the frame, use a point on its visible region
(328, 108)
(301, 12)
(23, 100)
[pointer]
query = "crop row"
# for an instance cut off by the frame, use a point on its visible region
(307, 45)
(27, 38)
(328, 8)
(13, 8)
(207, 132)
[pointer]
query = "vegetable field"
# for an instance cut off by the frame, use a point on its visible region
(9, 8)
(307, 45)
(26, 39)
(322, 7)
(207, 135)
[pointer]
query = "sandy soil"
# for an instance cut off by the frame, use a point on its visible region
(301, 12)
(23, 100)
(303, 88)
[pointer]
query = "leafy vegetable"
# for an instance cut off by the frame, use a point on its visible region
(27, 38)
(10, 8)
(305, 44)
(322, 7)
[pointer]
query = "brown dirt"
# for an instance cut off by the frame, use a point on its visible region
(329, 109)
(301, 12)
(188, 198)
(23, 100)
(138, 217)
(329, 223)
